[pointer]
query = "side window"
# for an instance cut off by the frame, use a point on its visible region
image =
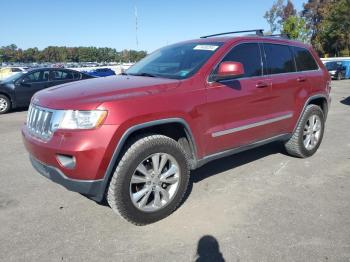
(39, 76)
(32, 78)
(16, 70)
(279, 59)
(45, 75)
(304, 60)
(60, 75)
(249, 55)
(77, 75)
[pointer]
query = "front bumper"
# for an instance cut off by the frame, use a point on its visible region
(92, 151)
(91, 188)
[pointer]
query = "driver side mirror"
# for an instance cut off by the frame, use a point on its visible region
(229, 70)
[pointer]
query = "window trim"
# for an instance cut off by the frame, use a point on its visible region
(64, 71)
(227, 52)
(315, 60)
(291, 53)
(260, 43)
(33, 72)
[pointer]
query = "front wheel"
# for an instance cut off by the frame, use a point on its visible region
(5, 104)
(150, 180)
(309, 133)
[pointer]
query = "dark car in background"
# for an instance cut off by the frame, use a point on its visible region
(336, 70)
(100, 72)
(17, 90)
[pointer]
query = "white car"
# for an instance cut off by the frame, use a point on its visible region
(9, 71)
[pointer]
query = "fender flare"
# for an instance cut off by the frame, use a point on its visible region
(126, 135)
(307, 102)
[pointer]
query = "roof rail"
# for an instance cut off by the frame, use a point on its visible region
(259, 32)
(279, 35)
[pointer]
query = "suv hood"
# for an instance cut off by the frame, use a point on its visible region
(89, 94)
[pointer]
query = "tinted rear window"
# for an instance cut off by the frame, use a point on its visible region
(304, 60)
(279, 59)
(249, 56)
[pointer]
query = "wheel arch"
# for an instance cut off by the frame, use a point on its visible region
(158, 127)
(320, 100)
(7, 95)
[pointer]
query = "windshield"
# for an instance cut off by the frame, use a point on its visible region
(331, 66)
(13, 77)
(177, 61)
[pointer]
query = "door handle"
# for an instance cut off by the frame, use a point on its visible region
(301, 79)
(261, 85)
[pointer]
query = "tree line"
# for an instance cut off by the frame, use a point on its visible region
(12, 53)
(323, 23)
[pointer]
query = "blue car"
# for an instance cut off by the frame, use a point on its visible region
(100, 72)
(346, 64)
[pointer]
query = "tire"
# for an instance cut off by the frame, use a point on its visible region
(340, 76)
(296, 145)
(5, 104)
(121, 195)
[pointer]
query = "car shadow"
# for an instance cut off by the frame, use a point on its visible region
(208, 250)
(230, 162)
(346, 101)
(17, 110)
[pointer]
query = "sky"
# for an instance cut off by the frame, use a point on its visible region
(111, 23)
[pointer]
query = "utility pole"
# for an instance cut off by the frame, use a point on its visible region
(136, 27)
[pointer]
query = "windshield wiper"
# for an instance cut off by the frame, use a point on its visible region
(143, 74)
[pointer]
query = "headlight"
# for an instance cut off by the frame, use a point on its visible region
(332, 72)
(74, 119)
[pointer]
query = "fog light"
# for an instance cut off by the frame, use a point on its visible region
(66, 161)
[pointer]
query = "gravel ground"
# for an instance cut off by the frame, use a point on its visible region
(259, 205)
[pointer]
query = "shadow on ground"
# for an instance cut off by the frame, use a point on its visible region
(208, 250)
(16, 110)
(346, 101)
(230, 162)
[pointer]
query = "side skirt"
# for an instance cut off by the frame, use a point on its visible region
(236, 150)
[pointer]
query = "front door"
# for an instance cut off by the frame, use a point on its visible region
(29, 84)
(239, 111)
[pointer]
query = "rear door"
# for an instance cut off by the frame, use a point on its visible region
(29, 84)
(60, 76)
(237, 110)
(309, 76)
(287, 84)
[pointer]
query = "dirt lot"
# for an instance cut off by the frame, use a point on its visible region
(260, 205)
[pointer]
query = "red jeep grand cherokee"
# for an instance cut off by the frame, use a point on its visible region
(134, 138)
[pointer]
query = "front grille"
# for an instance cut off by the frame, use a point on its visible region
(39, 122)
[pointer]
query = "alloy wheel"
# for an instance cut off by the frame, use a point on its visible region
(155, 182)
(3, 104)
(312, 132)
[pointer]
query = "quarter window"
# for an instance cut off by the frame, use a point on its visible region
(304, 60)
(279, 59)
(249, 55)
(77, 75)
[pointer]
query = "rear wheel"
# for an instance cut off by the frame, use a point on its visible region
(150, 180)
(309, 133)
(5, 104)
(340, 76)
